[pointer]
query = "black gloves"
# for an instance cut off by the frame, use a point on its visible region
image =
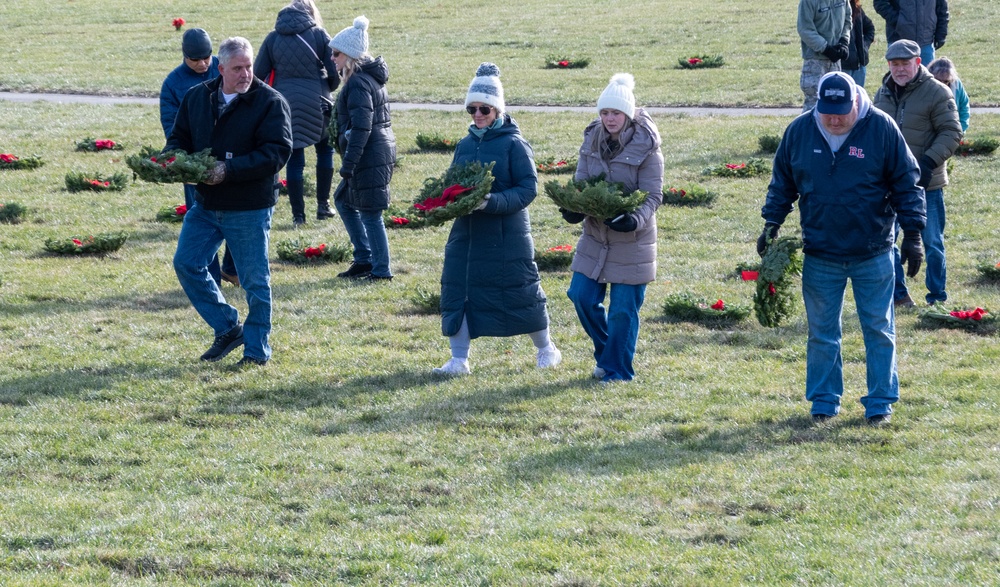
(622, 223)
(838, 51)
(770, 232)
(938, 44)
(346, 174)
(911, 252)
(926, 171)
(572, 217)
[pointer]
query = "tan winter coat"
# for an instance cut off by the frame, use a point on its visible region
(605, 255)
(928, 118)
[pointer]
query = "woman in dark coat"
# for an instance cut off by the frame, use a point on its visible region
(490, 284)
(297, 52)
(862, 36)
(367, 147)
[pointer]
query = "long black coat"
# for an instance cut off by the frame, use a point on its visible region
(297, 72)
(365, 139)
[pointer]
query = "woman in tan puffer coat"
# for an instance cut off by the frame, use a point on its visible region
(624, 145)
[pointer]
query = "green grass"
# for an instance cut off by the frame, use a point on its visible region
(125, 461)
(434, 47)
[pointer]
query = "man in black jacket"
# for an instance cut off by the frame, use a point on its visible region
(247, 125)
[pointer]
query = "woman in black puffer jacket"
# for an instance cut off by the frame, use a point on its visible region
(367, 147)
(298, 54)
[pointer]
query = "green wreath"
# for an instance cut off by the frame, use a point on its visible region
(11, 212)
(774, 297)
(594, 197)
(687, 307)
(96, 244)
(77, 181)
(174, 166)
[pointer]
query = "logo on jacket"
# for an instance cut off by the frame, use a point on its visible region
(855, 152)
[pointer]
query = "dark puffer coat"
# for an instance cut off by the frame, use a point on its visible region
(365, 139)
(489, 273)
(297, 71)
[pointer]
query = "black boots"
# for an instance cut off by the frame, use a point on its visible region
(324, 181)
(295, 189)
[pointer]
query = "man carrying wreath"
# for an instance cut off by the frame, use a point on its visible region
(247, 125)
(847, 165)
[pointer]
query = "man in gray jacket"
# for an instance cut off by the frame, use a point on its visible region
(825, 31)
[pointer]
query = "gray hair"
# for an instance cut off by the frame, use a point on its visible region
(943, 67)
(234, 46)
(309, 7)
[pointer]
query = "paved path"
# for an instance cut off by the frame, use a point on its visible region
(689, 110)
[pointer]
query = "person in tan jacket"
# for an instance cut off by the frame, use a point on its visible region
(624, 145)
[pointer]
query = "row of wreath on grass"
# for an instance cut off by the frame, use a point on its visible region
(460, 191)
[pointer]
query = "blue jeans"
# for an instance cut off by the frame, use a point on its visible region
(614, 331)
(246, 234)
(823, 285)
(368, 237)
(927, 54)
(227, 260)
(858, 75)
(935, 266)
(297, 162)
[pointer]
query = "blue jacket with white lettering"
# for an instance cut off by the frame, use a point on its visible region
(849, 201)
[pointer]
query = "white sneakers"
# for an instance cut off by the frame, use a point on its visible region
(454, 366)
(549, 357)
(599, 373)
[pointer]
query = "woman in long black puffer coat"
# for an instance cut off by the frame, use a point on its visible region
(296, 60)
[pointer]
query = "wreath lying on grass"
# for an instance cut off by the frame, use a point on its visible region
(308, 187)
(12, 212)
(97, 244)
(687, 307)
(175, 166)
(456, 193)
(772, 301)
(556, 62)
(977, 319)
(700, 62)
(11, 161)
(768, 143)
(172, 213)
(752, 168)
(747, 271)
(692, 196)
(555, 166)
(295, 252)
(984, 146)
(555, 258)
(990, 272)
(594, 197)
(77, 181)
(93, 145)
(426, 301)
(435, 142)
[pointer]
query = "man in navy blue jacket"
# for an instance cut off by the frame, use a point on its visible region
(247, 125)
(847, 165)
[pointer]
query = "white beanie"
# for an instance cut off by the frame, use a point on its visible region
(486, 87)
(618, 95)
(352, 41)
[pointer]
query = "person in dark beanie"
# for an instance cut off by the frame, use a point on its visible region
(199, 66)
(247, 125)
(367, 147)
(490, 284)
(298, 54)
(846, 164)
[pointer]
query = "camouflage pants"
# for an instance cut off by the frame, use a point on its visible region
(812, 70)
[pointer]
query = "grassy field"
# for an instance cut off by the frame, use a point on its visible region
(433, 47)
(125, 461)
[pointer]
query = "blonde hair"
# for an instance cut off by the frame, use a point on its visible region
(309, 7)
(351, 65)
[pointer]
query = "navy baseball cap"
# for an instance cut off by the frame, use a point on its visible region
(836, 94)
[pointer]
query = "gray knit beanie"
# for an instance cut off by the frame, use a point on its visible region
(195, 44)
(486, 87)
(352, 41)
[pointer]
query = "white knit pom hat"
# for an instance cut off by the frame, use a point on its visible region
(618, 95)
(352, 41)
(486, 87)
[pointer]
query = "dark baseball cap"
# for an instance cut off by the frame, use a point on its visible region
(836, 94)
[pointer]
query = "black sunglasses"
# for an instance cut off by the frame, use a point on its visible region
(336, 54)
(484, 110)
